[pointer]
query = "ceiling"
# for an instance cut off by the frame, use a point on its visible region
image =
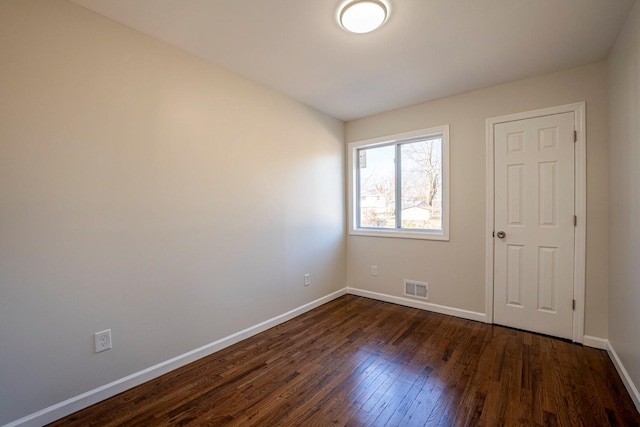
(427, 49)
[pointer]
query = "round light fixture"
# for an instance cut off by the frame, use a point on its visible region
(363, 16)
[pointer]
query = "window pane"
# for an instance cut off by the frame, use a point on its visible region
(421, 175)
(377, 187)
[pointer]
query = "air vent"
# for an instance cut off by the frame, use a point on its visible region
(416, 289)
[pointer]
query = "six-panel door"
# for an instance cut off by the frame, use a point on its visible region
(534, 207)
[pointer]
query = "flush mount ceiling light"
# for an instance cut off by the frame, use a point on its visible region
(363, 16)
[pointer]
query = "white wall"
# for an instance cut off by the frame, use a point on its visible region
(456, 269)
(146, 191)
(624, 197)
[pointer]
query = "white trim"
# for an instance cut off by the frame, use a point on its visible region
(84, 400)
(595, 342)
(351, 185)
(580, 238)
(579, 265)
(442, 309)
(489, 242)
(405, 234)
(624, 375)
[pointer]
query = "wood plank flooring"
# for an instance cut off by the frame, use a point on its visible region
(360, 362)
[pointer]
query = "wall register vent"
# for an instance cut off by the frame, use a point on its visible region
(416, 289)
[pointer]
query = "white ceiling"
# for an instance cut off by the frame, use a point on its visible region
(427, 49)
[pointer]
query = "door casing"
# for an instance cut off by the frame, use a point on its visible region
(579, 266)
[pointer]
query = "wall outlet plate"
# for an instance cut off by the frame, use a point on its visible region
(307, 279)
(102, 340)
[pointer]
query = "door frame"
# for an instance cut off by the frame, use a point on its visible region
(580, 203)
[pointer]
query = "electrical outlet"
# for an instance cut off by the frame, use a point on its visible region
(374, 270)
(307, 279)
(102, 340)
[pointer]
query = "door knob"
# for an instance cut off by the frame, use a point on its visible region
(501, 234)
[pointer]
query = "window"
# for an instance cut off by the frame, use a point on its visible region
(399, 185)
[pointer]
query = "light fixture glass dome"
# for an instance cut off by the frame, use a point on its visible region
(363, 16)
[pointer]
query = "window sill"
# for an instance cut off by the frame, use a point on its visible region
(404, 234)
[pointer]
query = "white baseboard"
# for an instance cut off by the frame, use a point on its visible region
(626, 379)
(595, 342)
(69, 406)
(442, 309)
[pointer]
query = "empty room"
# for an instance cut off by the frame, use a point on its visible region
(319, 212)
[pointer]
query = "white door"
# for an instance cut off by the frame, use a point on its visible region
(534, 208)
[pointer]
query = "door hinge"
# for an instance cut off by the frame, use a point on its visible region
(575, 136)
(574, 305)
(575, 220)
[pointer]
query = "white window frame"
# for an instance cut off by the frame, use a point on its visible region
(395, 139)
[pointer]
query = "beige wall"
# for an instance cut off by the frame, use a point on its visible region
(624, 197)
(145, 191)
(456, 269)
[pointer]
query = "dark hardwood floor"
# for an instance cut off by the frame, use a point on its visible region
(360, 362)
